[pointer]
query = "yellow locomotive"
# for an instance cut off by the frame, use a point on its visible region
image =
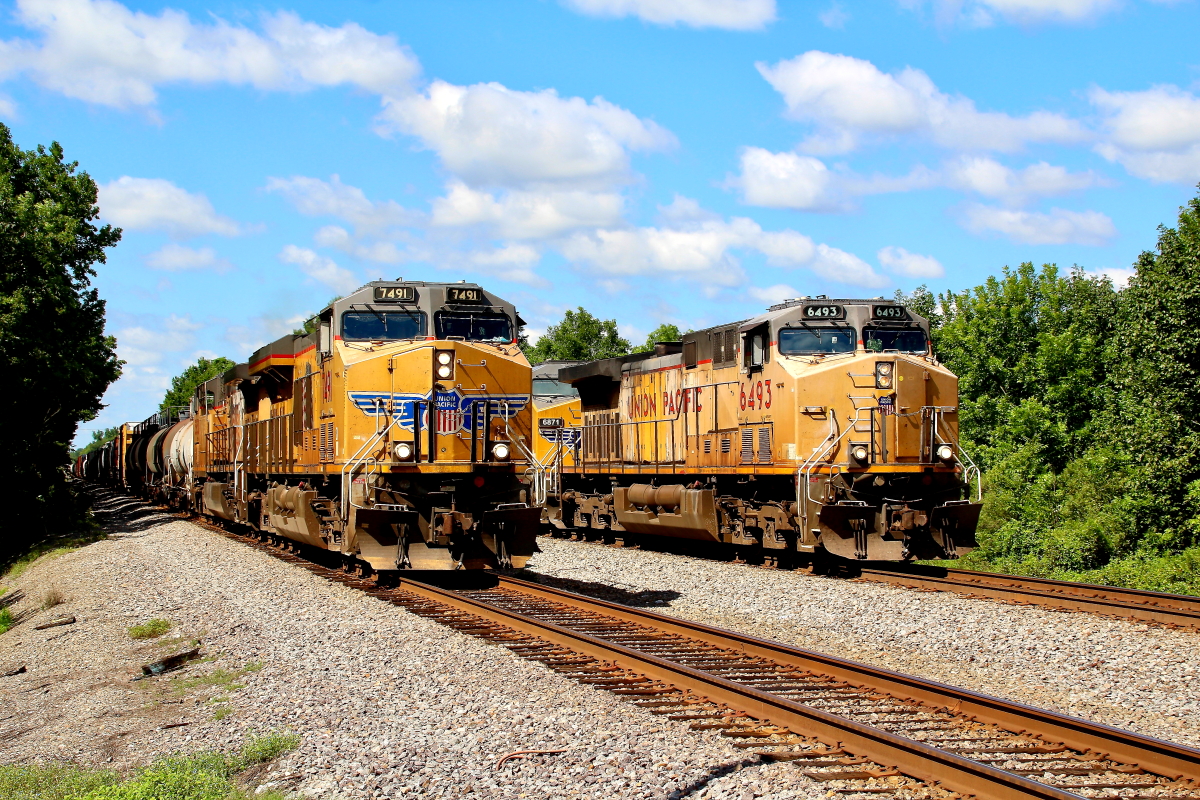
(397, 435)
(822, 427)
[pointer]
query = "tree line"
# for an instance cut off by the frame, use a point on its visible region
(1078, 399)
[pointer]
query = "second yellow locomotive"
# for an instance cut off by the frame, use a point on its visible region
(822, 427)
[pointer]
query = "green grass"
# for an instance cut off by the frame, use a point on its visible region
(219, 678)
(206, 776)
(151, 629)
(1173, 574)
(47, 550)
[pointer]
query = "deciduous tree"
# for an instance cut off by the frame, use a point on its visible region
(579, 337)
(57, 361)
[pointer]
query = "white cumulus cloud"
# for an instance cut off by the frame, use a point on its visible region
(847, 97)
(703, 247)
(317, 198)
(177, 258)
(770, 295)
(738, 15)
(103, 52)
(1154, 134)
(805, 183)
(910, 265)
(525, 214)
(990, 178)
(319, 268)
(155, 204)
(981, 13)
(490, 135)
(1059, 226)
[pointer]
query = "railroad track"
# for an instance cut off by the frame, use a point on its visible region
(1166, 609)
(1172, 610)
(859, 730)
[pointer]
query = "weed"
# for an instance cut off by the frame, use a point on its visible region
(151, 629)
(52, 597)
(261, 749)
(253, 666)
(206, 776)
(218, 677)
(51, 781)
(6, 620)
(222, 712)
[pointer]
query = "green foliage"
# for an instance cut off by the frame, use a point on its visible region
(663, 333)
(205, 776)
(51, 781)
(6, 621)
(99, 439)
(55, 357)
(184, 384)
(151, 629)
(1029, 351)
(1154, 384)
(1080, 402)
(314, 322)
(579, 337)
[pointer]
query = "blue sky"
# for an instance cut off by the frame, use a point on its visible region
(685, 161)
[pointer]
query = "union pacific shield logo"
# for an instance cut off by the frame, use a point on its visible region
(452, 412)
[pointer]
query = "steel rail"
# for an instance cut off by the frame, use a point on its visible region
(615, 637)
(910, 756)
(1167, 609)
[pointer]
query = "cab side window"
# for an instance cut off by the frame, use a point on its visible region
(756, 347)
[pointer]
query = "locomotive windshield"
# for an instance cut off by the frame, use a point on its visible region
(474, 326)
(377, 326)
(910, 340)
(812, 340)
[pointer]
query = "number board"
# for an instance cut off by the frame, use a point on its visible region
(550, 422)
(889, 312)
(824, 312)
(456, 294)
(395, 294)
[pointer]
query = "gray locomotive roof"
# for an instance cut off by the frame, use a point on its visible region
(430, 297)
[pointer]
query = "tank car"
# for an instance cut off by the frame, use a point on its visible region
(396, 434)
(822, 428)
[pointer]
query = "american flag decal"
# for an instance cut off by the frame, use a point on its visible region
(449, 420)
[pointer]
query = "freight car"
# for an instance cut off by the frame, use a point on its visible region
(396, 434)
(821, 428)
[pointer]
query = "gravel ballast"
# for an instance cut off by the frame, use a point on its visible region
(385, 704)
(1130, 675)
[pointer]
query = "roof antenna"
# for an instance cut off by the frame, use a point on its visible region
(400, 280)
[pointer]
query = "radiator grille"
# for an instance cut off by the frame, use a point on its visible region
(747, 445)
(726, 444)
(764, 445)
(707, 446)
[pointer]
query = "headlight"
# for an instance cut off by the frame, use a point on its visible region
(403, 451)
(883, 374)
(500, 451)
(859, 453)
(945, 452)
(444, 371)
(444, 358)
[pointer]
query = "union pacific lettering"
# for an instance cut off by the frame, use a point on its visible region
(646, 405)
(642, 405)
